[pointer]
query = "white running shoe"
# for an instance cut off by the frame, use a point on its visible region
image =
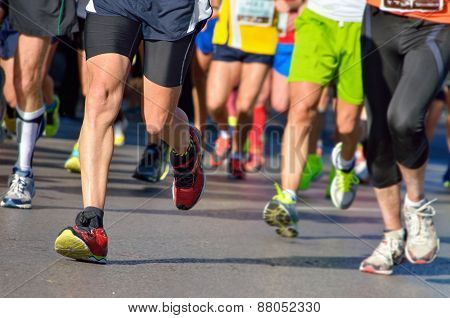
(345, 183)
(389, 252)
(422, 243)
(21, 190)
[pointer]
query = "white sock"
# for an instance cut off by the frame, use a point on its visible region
(412, 204)
(225, 134)
(290, 194)
(345, 165)
(30, 126)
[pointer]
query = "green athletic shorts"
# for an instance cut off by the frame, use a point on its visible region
(328, 51)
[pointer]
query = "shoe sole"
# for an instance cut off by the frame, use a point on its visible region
(25, 206)
(69, 245)
(422, 262)
(371, 270)
(276, 215)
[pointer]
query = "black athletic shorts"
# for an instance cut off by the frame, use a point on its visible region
(165, 20)
(165, 62)
(226, 53)
(79, 36)
(43, 17)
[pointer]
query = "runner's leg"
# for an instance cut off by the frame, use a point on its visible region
(107, 75)
(200, 67)
(304, 98)
(252, 79)
(222, 77)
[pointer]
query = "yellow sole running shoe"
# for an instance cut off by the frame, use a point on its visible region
(74, 243)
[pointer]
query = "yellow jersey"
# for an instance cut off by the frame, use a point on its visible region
(248, 25)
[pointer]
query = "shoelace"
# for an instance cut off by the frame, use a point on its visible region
(346, 180)
(420, 221)
(185, 180)
(18, 185)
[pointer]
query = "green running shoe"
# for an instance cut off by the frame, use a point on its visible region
(312, 172)
(344, 185)
(52, 117)
(280, 212)
(73, 164)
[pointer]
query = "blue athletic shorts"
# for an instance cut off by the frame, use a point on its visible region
(8, 40)
(203, 41)
(283, 57)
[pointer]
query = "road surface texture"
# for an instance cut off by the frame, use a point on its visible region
(221, 248)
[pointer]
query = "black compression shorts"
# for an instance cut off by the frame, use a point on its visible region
(165, 62)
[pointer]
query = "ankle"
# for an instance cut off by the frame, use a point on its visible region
(345, 165)
(291, 194)
(417, 203)
(398, 233)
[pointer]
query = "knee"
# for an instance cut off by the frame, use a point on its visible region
(215, 106)
(280, 105)
(401, 125)
(244, 104)
(101, 104)
(27, 82)
(155, 125)
(347, 124)
(302, 114)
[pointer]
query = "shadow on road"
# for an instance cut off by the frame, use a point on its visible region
(441, 266)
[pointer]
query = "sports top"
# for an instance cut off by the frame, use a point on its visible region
(431, 10)
(248, 25)
(338, 10)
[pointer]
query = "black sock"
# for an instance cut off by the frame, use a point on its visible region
(185, 162)
(90, 218)
(10, 111)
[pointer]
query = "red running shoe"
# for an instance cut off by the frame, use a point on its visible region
(188, 186)
(221, 151)
(83, 244)
(236, 169)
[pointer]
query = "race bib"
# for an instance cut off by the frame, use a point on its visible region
(412, 5)
(255, 12)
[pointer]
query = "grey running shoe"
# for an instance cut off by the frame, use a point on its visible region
(422, 244)
(344, 184)
(280, 212)
(389, 252)
(21, 190)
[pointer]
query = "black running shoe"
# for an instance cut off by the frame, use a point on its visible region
(154, 165)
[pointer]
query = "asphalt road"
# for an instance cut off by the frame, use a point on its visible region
(221, 248)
